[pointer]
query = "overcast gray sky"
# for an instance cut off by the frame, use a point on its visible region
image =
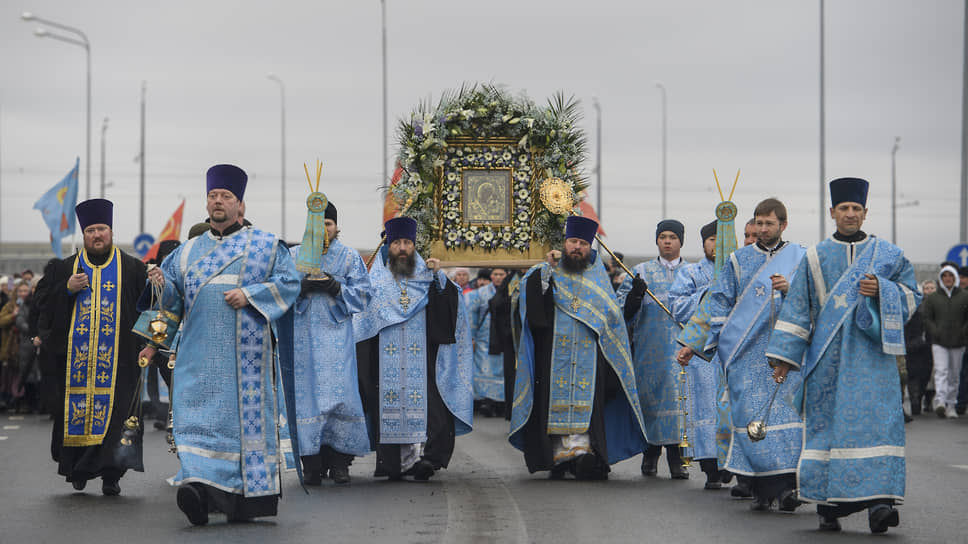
(742, 80)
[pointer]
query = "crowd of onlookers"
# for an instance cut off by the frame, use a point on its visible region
(21, 374)
(934, 368)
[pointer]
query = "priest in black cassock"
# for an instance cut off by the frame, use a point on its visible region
(415, 360)
(576, 408)
(88, 310)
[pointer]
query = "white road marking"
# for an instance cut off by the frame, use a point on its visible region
(16, 418)
(3, 437)
(962, 467)
(11, 427)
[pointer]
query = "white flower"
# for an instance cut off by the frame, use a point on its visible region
(451, 215)
(523, 216)
(506, 156)
(488, 156)
(467, 114)
(451, 176)
(452, 236)
(487, 236)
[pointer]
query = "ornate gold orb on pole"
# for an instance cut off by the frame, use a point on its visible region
(559, 198)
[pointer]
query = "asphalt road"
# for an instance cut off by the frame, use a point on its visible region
(486, 495)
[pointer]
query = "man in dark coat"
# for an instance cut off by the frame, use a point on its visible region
(88, 310)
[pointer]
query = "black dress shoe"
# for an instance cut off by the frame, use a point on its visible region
(191, 501)
(558, 472)
(590, 467)
(678, 472)
(110, 488)
(712, 485)
(741, 491)
(422, 471)
(761, 504)
(829, 524)
(79, 485)
(788, 501)
(313, 478)
(881, 517)
(340, 475)
(725, 476)
(650, 465)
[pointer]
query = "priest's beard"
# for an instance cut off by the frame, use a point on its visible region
(574, 264)
(402, 265)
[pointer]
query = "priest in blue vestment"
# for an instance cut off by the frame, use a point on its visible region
(706, 386)
(653, 340)
(231, 427)
(329, 411)
(841, 327)
(488, 366)
(734, 322)
(415, 359)
(576, 404)
(88, 306)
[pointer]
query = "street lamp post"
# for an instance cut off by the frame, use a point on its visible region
(383, 19)
(83, 42)
(598, 159)
(104, 130)
(823, 132)
(282, 98)
(664, 133)
(897, 140)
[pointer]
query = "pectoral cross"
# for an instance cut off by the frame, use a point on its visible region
(404, 301)
(575, 304)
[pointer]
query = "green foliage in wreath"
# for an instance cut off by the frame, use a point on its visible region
(550, 136)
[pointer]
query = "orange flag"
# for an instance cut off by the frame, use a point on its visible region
(390, 206)
(172, 231)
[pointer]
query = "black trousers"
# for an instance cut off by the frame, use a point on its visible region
(771, 487)
(326, 458)
(843, 509)
(235, 506)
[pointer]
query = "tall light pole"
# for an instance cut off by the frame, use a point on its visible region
(383, 20)
(83, 42)
(823, 132)
(104, 130)
(282, 98)
(897, 140)
(141, 161)
(664, 133)
(598, 158)
(963, 216)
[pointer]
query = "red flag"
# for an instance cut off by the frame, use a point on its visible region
(172, 231)
(390, 206)
(588, 211)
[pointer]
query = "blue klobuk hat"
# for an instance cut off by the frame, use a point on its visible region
(228, 177)
(400, 227)
(94, 212)
(848, 190)
(577, 226)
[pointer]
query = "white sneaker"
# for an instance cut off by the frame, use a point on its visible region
(950, 413)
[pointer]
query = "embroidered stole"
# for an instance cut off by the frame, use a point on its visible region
(747, 314)
(253, 346)
(844, 297)
(585, 316)
(92, 358)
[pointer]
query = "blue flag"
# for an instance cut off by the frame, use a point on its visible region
(57, 207)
